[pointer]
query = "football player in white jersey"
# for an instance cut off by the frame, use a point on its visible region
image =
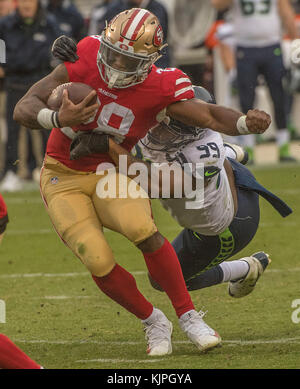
(257, 26)
(229, 217)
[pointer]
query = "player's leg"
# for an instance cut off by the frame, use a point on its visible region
(73, 214)
(247, 72)
(12, 357)
(132, 218)
(11, 181)
(274, 73)
(202, 257)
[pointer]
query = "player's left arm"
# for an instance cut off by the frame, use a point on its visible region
(155, 177)
(287, 16)
(225, 120)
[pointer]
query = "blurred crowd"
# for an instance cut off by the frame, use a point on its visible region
(195, 30)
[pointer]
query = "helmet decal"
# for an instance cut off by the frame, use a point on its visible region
(158, 36)
(134, 24)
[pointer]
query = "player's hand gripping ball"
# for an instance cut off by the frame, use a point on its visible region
(77, 105)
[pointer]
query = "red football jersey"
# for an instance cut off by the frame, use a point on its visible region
(3, 208)
(127, 113)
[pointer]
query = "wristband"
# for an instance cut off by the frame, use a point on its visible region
(242, 126)
(48, 118)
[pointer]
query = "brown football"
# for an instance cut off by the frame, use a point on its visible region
(77, 91)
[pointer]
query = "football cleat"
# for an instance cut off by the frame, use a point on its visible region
(11, 182)
(242, 155)
(158, 335)
(198, 331)
(257, 265)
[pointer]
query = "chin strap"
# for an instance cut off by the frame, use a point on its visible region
(112, 80)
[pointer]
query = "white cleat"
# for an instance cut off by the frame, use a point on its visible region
(198, 331)
(11, 182)
(257, 264)
(158, 335)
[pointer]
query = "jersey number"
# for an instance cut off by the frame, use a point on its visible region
(210, 147)
(250, 7)
(115, 119)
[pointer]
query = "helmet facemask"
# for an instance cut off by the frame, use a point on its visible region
(171, 137)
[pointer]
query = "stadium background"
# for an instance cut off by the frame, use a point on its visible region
(55, 313)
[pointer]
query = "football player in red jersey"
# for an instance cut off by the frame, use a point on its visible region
(11, 357)
(133, 96)
(3, 217)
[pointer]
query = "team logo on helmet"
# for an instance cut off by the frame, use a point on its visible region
(158, 36)
(123, 47)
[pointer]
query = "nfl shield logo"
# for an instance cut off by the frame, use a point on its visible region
(54, 180)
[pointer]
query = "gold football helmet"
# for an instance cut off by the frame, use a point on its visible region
(130, 44)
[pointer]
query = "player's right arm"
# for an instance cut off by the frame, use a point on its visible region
(221, 4)
(27, 109)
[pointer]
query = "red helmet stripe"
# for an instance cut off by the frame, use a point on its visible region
(130, 20)
(137, 29)
(134, 24)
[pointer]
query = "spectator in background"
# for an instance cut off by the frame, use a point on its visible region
(28, 34)
(257, 27)
(69, 19)
(116, 6)
(189, 24)
(97, 15)
(6, 7)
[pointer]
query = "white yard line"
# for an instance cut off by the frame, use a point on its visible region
(63, 297)
(32, 275)
(24, 201)
(135, 273)
(239, 342)
(31, 232)
(119, 360)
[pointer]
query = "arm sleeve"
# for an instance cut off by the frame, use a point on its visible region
(176, 85)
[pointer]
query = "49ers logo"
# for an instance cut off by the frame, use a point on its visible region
(158, 36)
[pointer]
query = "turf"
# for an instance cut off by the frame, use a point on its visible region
(56, 314)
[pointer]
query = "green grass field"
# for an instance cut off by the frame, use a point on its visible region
(57, 315)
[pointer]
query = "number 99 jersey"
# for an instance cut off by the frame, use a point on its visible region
(217, 211)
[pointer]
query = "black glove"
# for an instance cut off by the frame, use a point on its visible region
(64, 49)
(88, 143)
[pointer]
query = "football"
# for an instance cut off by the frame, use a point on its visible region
(77, 91)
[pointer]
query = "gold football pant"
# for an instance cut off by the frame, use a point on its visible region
(79, 214)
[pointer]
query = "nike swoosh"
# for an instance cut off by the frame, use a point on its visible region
(208, 174)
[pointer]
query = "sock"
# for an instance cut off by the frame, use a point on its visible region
(247, 141)
(121, 287)
(206, 279)
(234, 270)
(11, 357)
(165, 269)
(282, 137)
(155, 315)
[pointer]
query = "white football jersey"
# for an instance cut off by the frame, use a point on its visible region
(256, 22)
(217, 211)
